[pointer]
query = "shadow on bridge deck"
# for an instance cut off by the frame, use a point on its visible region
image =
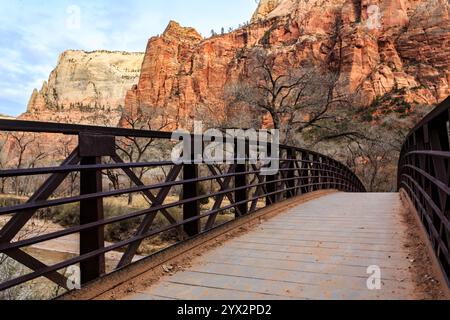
(321, 249)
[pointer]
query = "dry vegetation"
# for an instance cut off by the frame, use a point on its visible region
(304, 103)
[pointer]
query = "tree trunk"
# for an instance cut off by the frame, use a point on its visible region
(130, 199)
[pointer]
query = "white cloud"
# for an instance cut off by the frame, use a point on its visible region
(34, 33)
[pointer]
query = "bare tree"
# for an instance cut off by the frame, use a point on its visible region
(3, 161)
(369, 148)
(296, 99)
(135, 149)
(66, 147)
(28, 153)
(236, 114)
(374, 162)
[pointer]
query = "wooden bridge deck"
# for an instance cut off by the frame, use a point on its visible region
(318, 250)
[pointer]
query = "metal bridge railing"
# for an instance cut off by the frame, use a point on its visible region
(424, 173)
(242, 185)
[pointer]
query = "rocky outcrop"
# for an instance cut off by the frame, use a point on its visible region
(377, 47)
(86, 83)
(425, 48)
(265, 8)
(182, 71)
(400, 54)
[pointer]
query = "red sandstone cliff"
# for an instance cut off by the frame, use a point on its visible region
(378, 47)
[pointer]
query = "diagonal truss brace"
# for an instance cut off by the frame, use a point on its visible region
(224, 185)
(16, 223)
(131, 251)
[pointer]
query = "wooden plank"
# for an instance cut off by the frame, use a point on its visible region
(189, 292)
(317, 236)
(293, 265)
(288, 290)
(328, 244)
(324, 227)
(319, 240)
(335, 259)
(361, 234)
(319, 250)
(357, 281)
(142, 296)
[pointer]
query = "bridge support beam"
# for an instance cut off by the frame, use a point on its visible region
(271, 188)
(92, 148)
(305, 173)
(190, 191)
(91, 211)
(240, 180)
(291, 174)
(315, 173)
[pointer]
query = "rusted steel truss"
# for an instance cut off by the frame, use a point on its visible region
(424, 173)
(242, 184)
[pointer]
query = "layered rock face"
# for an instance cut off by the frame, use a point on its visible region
(406, 52)
(266, 7)
(377, 47)
(85, 86)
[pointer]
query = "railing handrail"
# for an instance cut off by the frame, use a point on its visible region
(75, 129)
(14, 125)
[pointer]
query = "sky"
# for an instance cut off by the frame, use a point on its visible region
(34, 32)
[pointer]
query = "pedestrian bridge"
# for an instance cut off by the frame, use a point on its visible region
(310, 231)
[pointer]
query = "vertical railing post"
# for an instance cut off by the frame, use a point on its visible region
(271, 179)
(428, 185)
(91, 211)
(291, 173)
(316, 173)
(240, 180)
(343, 177)
(305, 172)
(326, 173)
(347, 179)
(271, 188)
(332, 167)
(91, 150)
(190, 191)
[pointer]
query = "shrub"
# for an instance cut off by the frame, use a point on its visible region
(10, 269)
(202, 192)
(10, 201)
